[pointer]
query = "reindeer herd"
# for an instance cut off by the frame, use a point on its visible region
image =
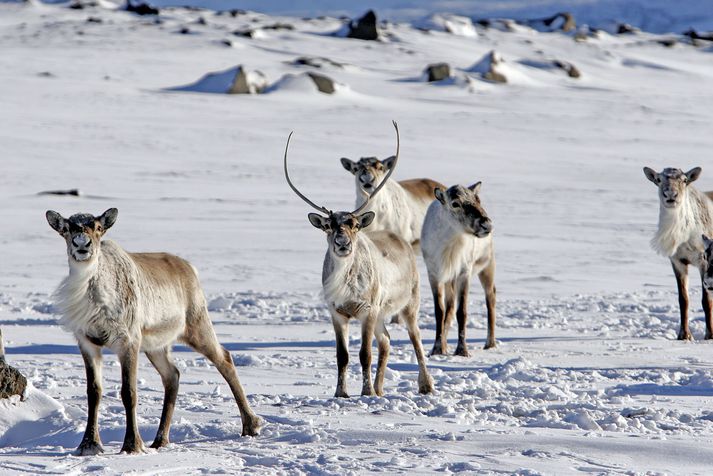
(145, 302)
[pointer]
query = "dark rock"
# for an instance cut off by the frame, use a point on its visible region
(438, 71)
(316, 62)
(249, 33)
(571, 70)
(141, 8)
(324, 84)
(694, 35)
(244, 85)
(45, 74)
(94, 20)
(184, 30)
(487, 67)
(278, 26)
(73, 192)
(201, 21)
(226, 42)
(667, 42)
(12, 382)
(364, 28)
(236, 11)
(626, 29)
(563, 21)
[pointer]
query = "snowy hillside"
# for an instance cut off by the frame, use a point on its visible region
(587, 376)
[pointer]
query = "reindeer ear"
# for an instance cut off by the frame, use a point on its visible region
(56, 221)
(365, 219)
(389, 162)
(318, 221)
(440, 195)
(693, 174)
(652, 175)
(475, 187)
(707, 242)
(108, 218)
(349, 165)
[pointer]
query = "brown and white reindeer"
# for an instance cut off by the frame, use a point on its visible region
(400, 206)
(708, 263)
(457, 242)
(368, 277)
(684, 214)
(131, 303)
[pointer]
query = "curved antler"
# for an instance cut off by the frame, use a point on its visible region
(388, 174)
(289, 182)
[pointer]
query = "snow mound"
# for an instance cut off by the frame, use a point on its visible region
(494, 69)
(307, 83)
(454, 24)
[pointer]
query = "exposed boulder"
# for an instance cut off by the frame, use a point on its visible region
(140, 8)
(437, 72)
(694, 35)
(316, 62)
(488, 68)
(554, 64)
(569, 68)
(563, 21)
(12, 382)
(235, 80)
(324, 84)
(364, 28)
(626, 29)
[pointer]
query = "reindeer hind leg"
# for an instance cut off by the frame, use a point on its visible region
(170, 375)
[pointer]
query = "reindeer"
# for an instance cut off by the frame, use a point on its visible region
(132, 302)
(456, 242)
(708, 263)
(367, 277)
(684, 214)
(401, 206)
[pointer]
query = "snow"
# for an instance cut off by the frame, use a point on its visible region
(588, 375)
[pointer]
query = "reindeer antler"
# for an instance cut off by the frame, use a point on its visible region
(289, 182)
(324, 210)
(388, 174)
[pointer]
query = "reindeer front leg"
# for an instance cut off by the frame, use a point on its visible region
(462, 287)
(91, 442)
(440, 344)
(487, 280)
(367, 335)
(383, 341)
(707, 308)
(129, 360)
(341, 331)
(680, 271)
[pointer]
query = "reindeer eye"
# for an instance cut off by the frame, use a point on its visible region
(455, 204)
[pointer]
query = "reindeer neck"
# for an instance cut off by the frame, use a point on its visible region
(348, 280)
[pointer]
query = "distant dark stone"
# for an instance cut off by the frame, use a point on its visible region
(667, 42)
(45, 74)
(316, 62)
(438, 71)
(249, 33)
(226, 42)
(563, 21)
(12, 382)
(81, 5)
(201, 21)
(73, 192)
(364, 28)
(236, 11)
(141, 8)
(626, 29)
(694, 35)
(278, 26)
(484, 22)
(324, 84)
(94, 20)
(571, 70)
(184, 30)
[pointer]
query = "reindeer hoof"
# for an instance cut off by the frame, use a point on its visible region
(133, 448)
(437, 350)
(489, 345)
(368, 392)
(709, 335)
(425, 385)
(685, 335)
(252, 425)
(341, 394)
(159, 443)
(89, 448)
(462, 351)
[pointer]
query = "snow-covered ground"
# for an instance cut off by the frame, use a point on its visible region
(587, 377)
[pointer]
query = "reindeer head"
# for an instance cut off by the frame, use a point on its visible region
(369, 171)
(672, 184)
(708, 261)
(82, 232)
(342, 227)
(463, 205)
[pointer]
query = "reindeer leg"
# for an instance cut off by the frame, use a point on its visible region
(201, 336)
(450, 301)
(680, 271)
(91, 442)
(367, 335)
(707, 310)
(462, 287)
(440, 345)
(383, 341)
(487, 280)
(410, 316)
(163, 363)
(129, 360)
(341, 331)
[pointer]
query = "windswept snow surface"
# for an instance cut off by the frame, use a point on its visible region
(587, 377)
